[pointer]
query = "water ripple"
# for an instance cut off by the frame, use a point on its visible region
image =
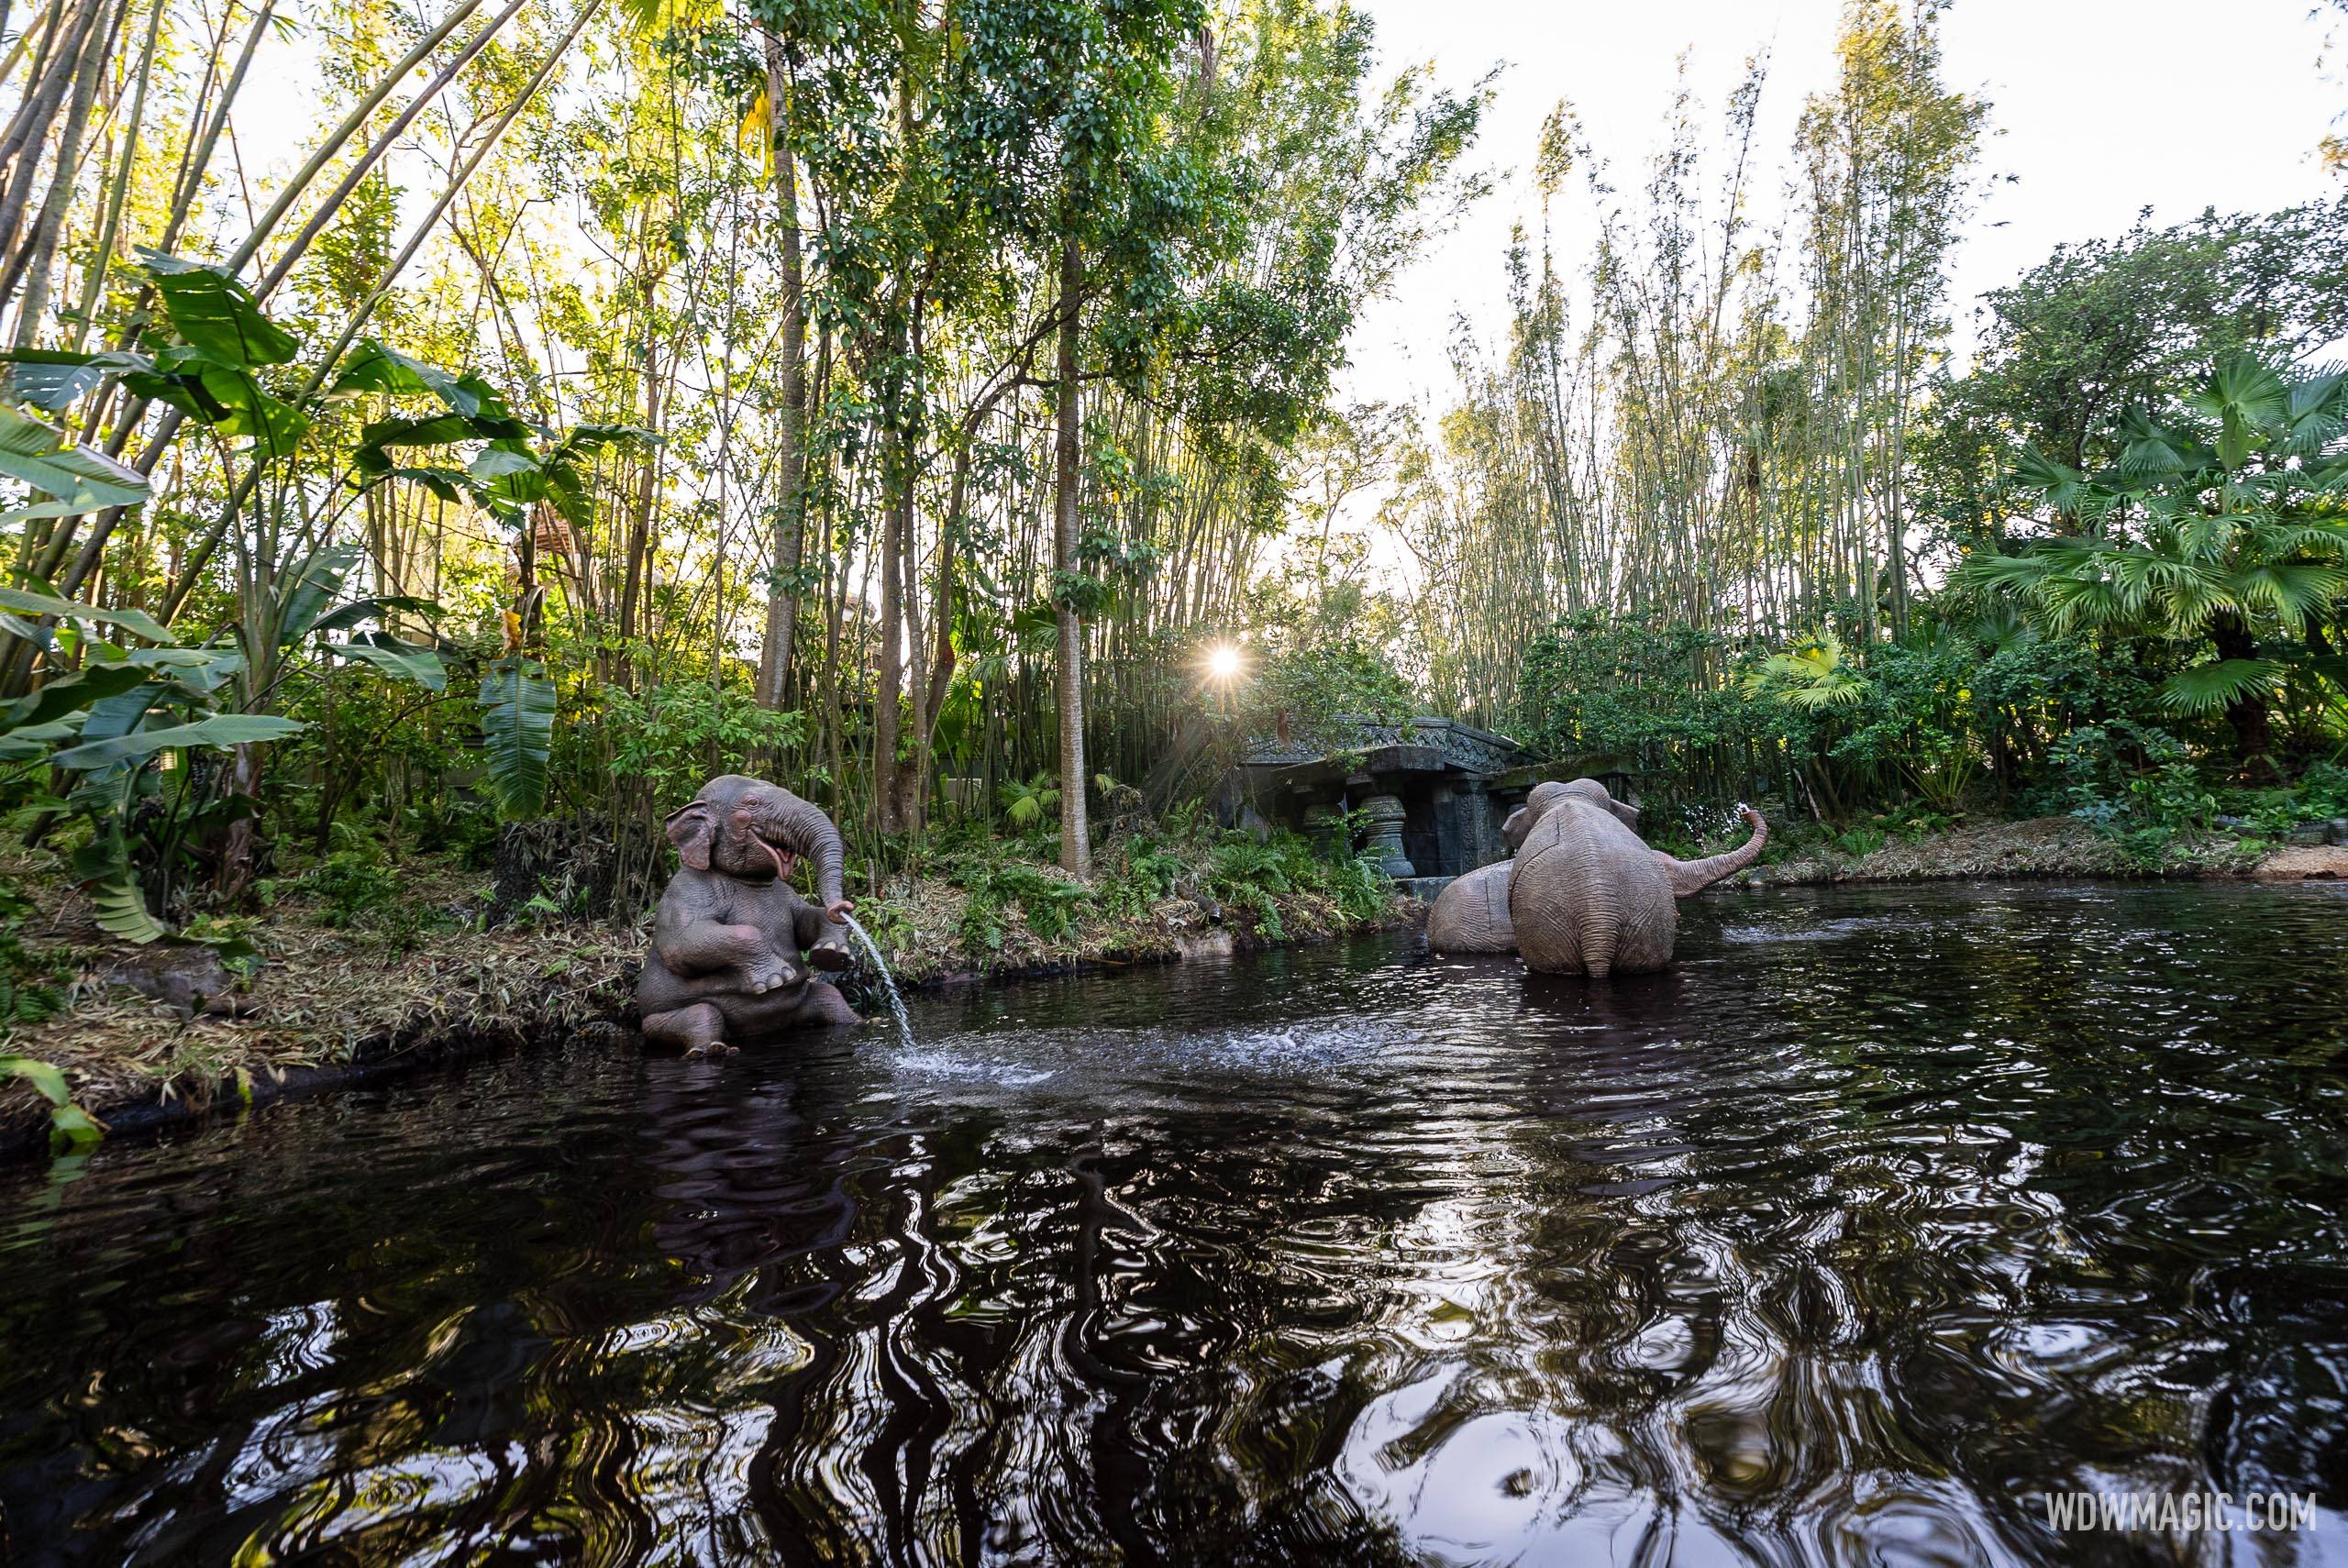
(1884, 1214)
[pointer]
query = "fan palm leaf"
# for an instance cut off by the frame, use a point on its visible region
(2206, 688)
(2292, 590)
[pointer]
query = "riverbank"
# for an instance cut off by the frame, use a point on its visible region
(2035, 848)
(342, 991)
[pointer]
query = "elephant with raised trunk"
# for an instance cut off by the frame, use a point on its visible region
(1587, 897)
(734, 948)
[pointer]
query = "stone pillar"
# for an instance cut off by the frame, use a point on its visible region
(1385, 814)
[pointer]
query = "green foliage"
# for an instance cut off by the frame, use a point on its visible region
(1363, 892)
(1860, 842)
(2215, 532)
(1143, 872)
(2136, 785)
(76, 478)
(1315, 693)
(355, 887)
(517, 711)
(2111, 324)
(674, 736)
(1251, 874)
(1624, 687)
(1817, 672)
(1050, 904)
(69, 1127)
(29, 982)
(1027, 803)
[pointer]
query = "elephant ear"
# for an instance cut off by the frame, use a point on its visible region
(1518, 824)
(692, 828)
(1624, 812)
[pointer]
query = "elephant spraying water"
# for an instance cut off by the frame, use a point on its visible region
(734, 948)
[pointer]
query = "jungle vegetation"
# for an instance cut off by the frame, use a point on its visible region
(423, 418)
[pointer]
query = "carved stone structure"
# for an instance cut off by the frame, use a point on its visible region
(1384, 842)
(1436, 792)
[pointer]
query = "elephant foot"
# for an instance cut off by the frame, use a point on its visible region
(698, 1030)
(827, 1008)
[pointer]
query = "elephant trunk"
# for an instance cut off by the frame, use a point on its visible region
(1695, 876)
(806, 831)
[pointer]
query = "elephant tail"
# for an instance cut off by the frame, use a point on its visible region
(1598, 937)
(1600, 916)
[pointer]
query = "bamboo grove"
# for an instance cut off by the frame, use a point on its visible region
(1723, 442)
(569, 398)
(428, 416)
(1725, 505)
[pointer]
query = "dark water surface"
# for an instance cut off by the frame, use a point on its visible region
(1887, 1212)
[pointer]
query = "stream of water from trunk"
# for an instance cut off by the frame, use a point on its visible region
(887, 981)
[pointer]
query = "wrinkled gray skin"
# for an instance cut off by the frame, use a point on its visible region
(1471, 914)
(726, 961)
(1589, 898)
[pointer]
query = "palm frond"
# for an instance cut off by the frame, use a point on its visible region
(2292, 589)
(2206, 688)
(2038, 474)
(2204, 537)
(2148, 450)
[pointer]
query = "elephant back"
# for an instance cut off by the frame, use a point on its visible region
(1471, 914)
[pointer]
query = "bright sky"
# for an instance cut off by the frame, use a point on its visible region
(2098, 108)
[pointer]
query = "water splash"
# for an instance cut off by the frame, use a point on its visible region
(887, 981)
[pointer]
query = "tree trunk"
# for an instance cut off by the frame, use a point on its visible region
(1076, 845)
(32, 264)
(636, 587)
(2254, 730)
(897, 500)
(789, 516)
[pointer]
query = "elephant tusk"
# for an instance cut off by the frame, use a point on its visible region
(782, 866)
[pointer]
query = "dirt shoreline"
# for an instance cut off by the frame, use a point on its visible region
(335, 1009)
(2043, 848)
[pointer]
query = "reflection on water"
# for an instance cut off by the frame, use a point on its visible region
(1884, 1214)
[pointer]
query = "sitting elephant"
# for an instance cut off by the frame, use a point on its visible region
(1471, 915)
(726, 964)
(1589, 897)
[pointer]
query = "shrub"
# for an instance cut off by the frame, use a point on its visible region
(1049, 904)
(356, 888)
(2135, 784)
(674, 736)
(29, 980)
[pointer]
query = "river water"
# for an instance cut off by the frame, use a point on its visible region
(1886, 1213)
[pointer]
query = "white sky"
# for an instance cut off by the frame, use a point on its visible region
(2098, 108)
